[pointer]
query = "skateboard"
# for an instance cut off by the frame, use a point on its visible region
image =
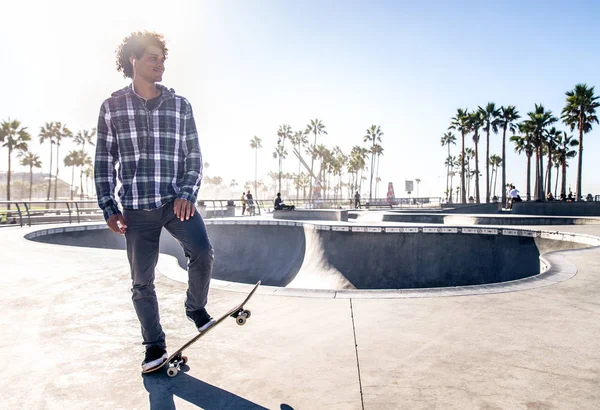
(177, 359)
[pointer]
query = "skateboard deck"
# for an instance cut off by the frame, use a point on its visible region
(174, 362)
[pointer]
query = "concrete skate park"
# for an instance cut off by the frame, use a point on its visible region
(374, 310)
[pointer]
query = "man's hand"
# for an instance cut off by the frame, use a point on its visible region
(183, 209)
(116, 223)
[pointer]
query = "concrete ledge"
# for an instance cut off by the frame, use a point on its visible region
(557, 208)
(312, 215)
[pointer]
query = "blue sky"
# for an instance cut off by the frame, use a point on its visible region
(248, 67)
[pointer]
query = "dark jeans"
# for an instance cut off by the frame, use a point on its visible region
(143, 238)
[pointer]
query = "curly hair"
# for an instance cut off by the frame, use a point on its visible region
(136, 44)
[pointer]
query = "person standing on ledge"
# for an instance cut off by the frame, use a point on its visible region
(147, 142)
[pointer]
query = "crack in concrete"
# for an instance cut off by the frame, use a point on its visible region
(362, 402)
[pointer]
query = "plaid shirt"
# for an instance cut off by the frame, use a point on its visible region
(154, 155)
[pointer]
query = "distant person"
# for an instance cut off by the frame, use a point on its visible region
(243, 203)
(148, 144)
(549, 197)
(356, 200)
(563, 197)
(280, 205)
(514, 196)
(250, 202)
(570, 196)
(14, 221)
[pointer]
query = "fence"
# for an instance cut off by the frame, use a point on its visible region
(27, 213)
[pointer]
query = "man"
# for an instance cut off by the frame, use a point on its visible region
(513, 195)
(279, 205)
(250, 201)
(147, 142)
(356, 200)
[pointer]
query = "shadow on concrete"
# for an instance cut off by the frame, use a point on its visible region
(162, 390)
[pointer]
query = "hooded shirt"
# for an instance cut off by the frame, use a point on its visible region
(151, 153)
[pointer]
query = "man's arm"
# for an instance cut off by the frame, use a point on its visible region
(192, 161)
(105, 174)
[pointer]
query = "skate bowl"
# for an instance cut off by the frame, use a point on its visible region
(343, 259)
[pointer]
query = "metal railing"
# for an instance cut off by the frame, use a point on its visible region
(27, 213)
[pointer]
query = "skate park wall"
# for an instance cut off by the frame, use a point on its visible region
(307, 256)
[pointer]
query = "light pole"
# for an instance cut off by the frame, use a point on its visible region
(417, 180)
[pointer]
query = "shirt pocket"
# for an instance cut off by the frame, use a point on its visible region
(128, 135)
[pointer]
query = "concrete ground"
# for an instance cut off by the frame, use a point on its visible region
(70, 340)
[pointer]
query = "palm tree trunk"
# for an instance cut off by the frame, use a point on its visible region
(30, 181)
(372, 167)
(579, 161)
(56, 175)
(463, 192)
(541, 176)
(448, 176)
(72, 180)
(487, 166)
(81, 183)
(563, 185)
(537, 174)
(49, 177)
(477, 197)
(312, 163)
(528, 194)
(8, 177)
(549, 166)
(556, 183)
(504, 164)
(297, 186)
(255, 169)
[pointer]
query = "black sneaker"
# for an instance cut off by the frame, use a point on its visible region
(201, 319)
(155, 356)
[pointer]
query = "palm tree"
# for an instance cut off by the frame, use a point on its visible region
(284, 132)
(373, 135)
(82, 138)
(255, 144)
(83, 160)
(298, 140)
(580, 112)
(71, 160)
(317, 128)
(448, 139)
(378, 151)
(29, 159)
(60, 131)
(551, 141)
(563, 153)
(507, 117)
(538, 121)
(47, 133)
(280, 153)
(13, 136)
(495, 161)
(476, 121)
(460, 123)
(89, 174)
(490, 115)
(524, 144)
(450, 163)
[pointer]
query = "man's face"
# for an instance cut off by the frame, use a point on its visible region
(151, 66)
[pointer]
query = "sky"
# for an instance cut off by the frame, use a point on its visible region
(249, 67)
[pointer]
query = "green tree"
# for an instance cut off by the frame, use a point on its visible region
(538, 122)
(315, 127)
(524, 144)
(373, 135)
(460, 123)
(447, 140)
(508, 116)
(564, 152)
(490, 115)
(60, 132)
(495, 161)
(580, 112)
(255, 144)
(13, 136)
(476, 122)
(47, 133)
(298, 140)
(31, 160)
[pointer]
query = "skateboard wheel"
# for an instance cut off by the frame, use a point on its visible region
(240, 320)
(184, 359)
(172, 372)
(248, 313)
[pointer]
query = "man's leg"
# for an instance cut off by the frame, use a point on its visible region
(193, 238)
(143, 236)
